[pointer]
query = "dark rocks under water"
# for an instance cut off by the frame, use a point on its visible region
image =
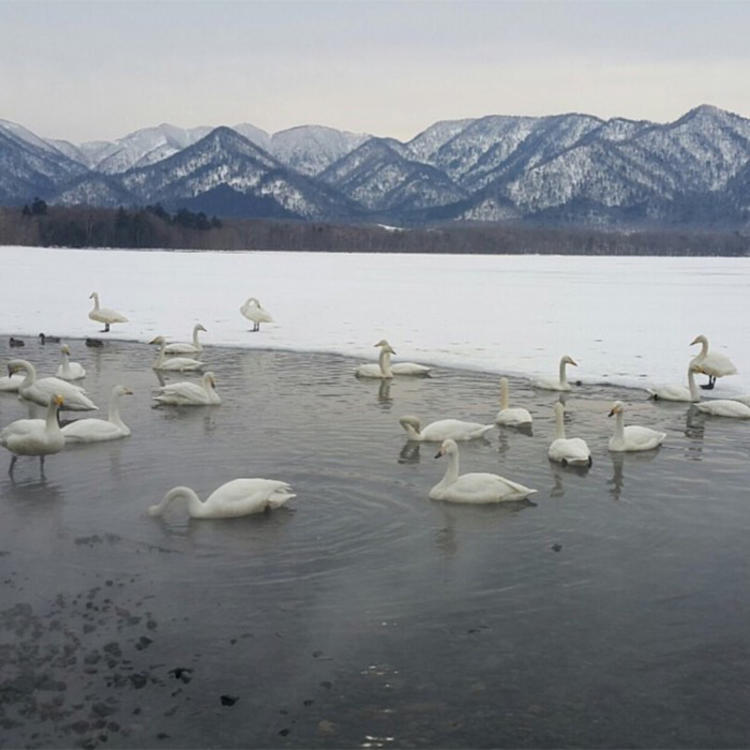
(612, 611)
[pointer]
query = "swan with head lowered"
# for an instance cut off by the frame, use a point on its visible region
(436, 432)
(561, 384)
(677, 392)
(633, 437)
(186, 393)
(254, 312)
(385, 369)
(10, 383)
(185, 348)
(99, 430)
(713, 364)
(573, 451)
(41, 391)
(34, 437)
(473, 488)
(104, 314)
(69, 370)
(240, 497)
(175, 364)
(511, 417)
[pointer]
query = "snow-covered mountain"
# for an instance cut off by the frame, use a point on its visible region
(562, 168)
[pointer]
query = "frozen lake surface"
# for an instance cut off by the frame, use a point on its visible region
(612, 611)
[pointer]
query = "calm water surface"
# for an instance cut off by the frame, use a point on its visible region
(612, 611)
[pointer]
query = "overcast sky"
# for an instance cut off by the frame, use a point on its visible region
(98, 70)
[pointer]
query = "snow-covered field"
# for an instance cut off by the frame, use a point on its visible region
(624, 320)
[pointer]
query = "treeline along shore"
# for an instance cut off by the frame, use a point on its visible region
(37, 224)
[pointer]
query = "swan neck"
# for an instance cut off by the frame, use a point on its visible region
(411, 432)
(563, 374)
(195, 338)
(620, 425)
(51, 423)
(161, 355)
(704, 348)
(28, 368)
(194, 504)
(451, 470)
(694, 394)
(114, 411)
(503, 394)
(96, 300)
(385, 362)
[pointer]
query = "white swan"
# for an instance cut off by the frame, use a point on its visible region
(436, 432)
(98, 430)
(473, 487)
(633, 437)
(512, 417)
(104, 314)
(561, 384)
(34, 437)
(69, 370)
(564, 450)
(10, 383)
(723, 407)
(713, 364)
(184, 347)
(385, 369)
(175, 364)
(240, 497)
(677, 392)
(186, 393)
(43, 390)
(253, 311)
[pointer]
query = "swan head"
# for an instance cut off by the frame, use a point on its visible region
(94, 295)
(157, 340)
(385, 346)
(121, 390)
(65, 349)
(210, 379)
(617, 408)
(199, 327)
(411, 421)
(58, 400)
(699, 340)
(16, 365)
(447, 447)
(568, 360)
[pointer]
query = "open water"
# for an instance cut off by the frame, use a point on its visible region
(612, 611)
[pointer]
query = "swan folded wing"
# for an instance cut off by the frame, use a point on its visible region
(513, 416)
(480, 487)
(455, 429)
(409, 368)
(92, 431)
(369, 370)
(245, 496)
(572, 450)
(670, 393)
(725, 408)
(182, 393)
(643, 438)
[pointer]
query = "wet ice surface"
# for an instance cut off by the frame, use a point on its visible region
(611, 611)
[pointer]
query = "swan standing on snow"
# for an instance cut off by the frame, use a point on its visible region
(478, 488)
(443, 429)
(34, 437)
(561, 384)
(633, 437)
(384, 368)
(186, 393)
(677, 392)
(42, 391)
(104, 314)
(98, 430)
(514, 417)
(184, 347)
(69, 370)
(253, 311)
(175, 364)
(713, 364)
(564, 450)
(723, 407)
(240, 497)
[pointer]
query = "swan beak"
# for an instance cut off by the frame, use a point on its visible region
(439, 453)
(575, 364)
(694, 341)
(58, 399)
(128, 392)
(155, 340)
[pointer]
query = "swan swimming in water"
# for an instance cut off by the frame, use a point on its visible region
(564, 450)
(561, 384)
(185, 348)
(436, 432)
(240, 497)
(723, 407)
(175, 364)
(677, 392)
(98, 430)
(34, 437)
(385, 369)
(186, 393)
(254, 312)
(104, 314)
(476, 488)
(69, 370)
(511, 417)
(41, 391)
(713, 364)
(633, 437)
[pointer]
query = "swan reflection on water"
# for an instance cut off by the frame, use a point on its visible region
(617, 482)
(695, 430)
(558, 473)
(409, 454)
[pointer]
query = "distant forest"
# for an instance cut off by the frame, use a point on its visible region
(38, 224)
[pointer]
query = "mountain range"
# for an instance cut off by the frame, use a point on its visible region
(558, 169)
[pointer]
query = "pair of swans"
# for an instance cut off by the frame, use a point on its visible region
(385, 369)
(186, 393)
(239, 497)
(104, 314)
(99, 430)
(41, 391)
(254, 312)
(561, 383)
(69, 370)
(565, 450)
(173, 364)
(34, 437)
(633, 437)
(443, 429)
(476, 488)
(713, 364)
(181, 347)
